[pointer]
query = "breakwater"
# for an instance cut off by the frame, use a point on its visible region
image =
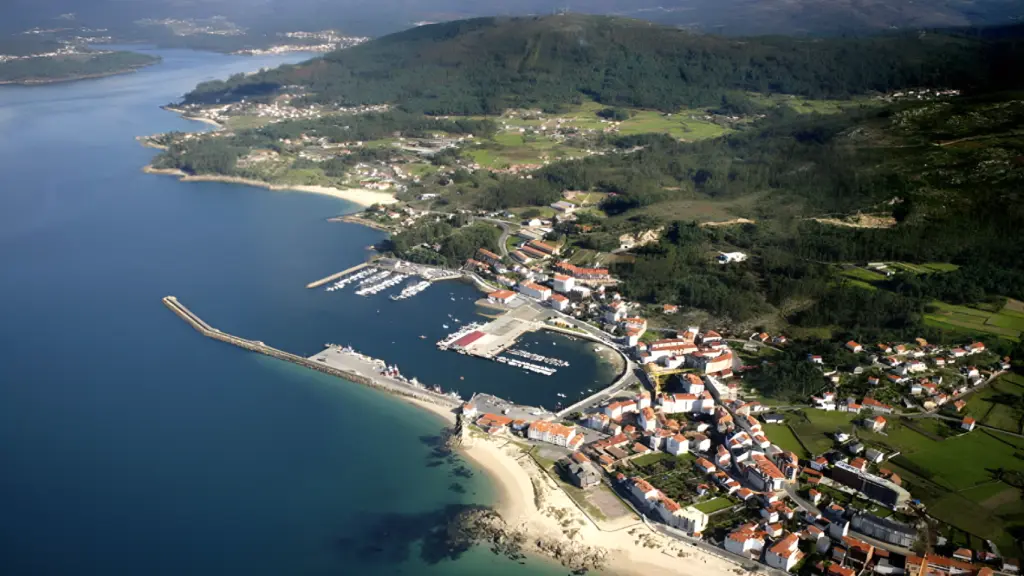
(336, 275)
(382, 383)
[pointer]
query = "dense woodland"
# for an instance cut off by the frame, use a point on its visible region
(486, 65)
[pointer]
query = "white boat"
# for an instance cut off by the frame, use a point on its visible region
(445, 326)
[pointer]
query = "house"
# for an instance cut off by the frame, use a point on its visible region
(659, 439)
(747, 540)
(678, 444)
(814, 496)
(597, 421)
(643, 493)
(561, 303)
(854, 347)
(773, 418)
(501, 296)
(855, 448)
(877, 423)
(564, 283)
(582, 471)
(873, 380)
(819, 463)
(468, 410)
(872, 404)
(859, 463)
(959, 405)
(968, 423)
(814, 359)
(493, 423)
(669, 309)
(564, 207)
(975, 348)
(689, 519)
(699, 442)
(784, 554)
(693, 384)
(535, 290)
(704, 465)
(874, 456)
(963, 554)
(647, 420)
(764, 474)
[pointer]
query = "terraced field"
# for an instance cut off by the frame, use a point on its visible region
(1006, 323)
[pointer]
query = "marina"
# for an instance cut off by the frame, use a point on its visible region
(538, 358)
(387, 281)
(536, 368)
(340, 284)
(412, 290)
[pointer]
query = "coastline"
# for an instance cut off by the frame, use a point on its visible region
(45, 81)
(359, 196)
(520, 485)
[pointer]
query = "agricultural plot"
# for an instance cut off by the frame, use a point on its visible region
(783, 437)
(970, 321)
(864, 274)
(673, 475)
(958, 480)
(1001, 404)
(815, 428)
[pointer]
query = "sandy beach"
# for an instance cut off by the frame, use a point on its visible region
(360, 196)
(632, 551)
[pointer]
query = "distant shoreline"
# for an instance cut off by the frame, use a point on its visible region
(359, 196)
(45, 81)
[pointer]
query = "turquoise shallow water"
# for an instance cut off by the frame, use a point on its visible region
(131, 445)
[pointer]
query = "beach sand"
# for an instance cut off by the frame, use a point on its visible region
(635, 551)
(360, 196)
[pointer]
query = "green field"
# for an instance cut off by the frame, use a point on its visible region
(1000, 404)
(714, 505)
(783, 437)
(972, 321)
(956, 478)
(816, 427)
(863, 274)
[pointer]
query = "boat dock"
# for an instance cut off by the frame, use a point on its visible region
(491, 339)
(353, 367)
(336, 275)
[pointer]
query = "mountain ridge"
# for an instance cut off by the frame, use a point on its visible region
(485, 65)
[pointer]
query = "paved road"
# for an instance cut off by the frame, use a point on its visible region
(505, 231)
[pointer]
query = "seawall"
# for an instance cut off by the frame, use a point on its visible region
(258, 346)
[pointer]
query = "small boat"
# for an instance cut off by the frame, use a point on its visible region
(462, 377)
(422, 337)
(445, 326)
(453, 299)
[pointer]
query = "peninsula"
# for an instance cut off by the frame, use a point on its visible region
(69, 65)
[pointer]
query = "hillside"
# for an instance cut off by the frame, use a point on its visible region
(486, 65)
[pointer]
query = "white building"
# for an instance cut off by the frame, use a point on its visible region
(535, 291)
(677, 445)
(552, 433)
(647, 421)
(689, 519)
(784, 554)
(564, 283)
(731, 257)
(560, 303)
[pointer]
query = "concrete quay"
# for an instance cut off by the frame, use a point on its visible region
(336, 275)
(354, 369)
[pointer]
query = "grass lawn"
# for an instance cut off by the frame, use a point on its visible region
(940, 266)
(783, 437)
(714, 505)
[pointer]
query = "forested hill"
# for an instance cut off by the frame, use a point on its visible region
(488, 64)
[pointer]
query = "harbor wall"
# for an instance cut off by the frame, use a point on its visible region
(257, 346)
(336, 275)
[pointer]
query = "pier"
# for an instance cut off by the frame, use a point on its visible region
(352, 367)
(336, 275)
